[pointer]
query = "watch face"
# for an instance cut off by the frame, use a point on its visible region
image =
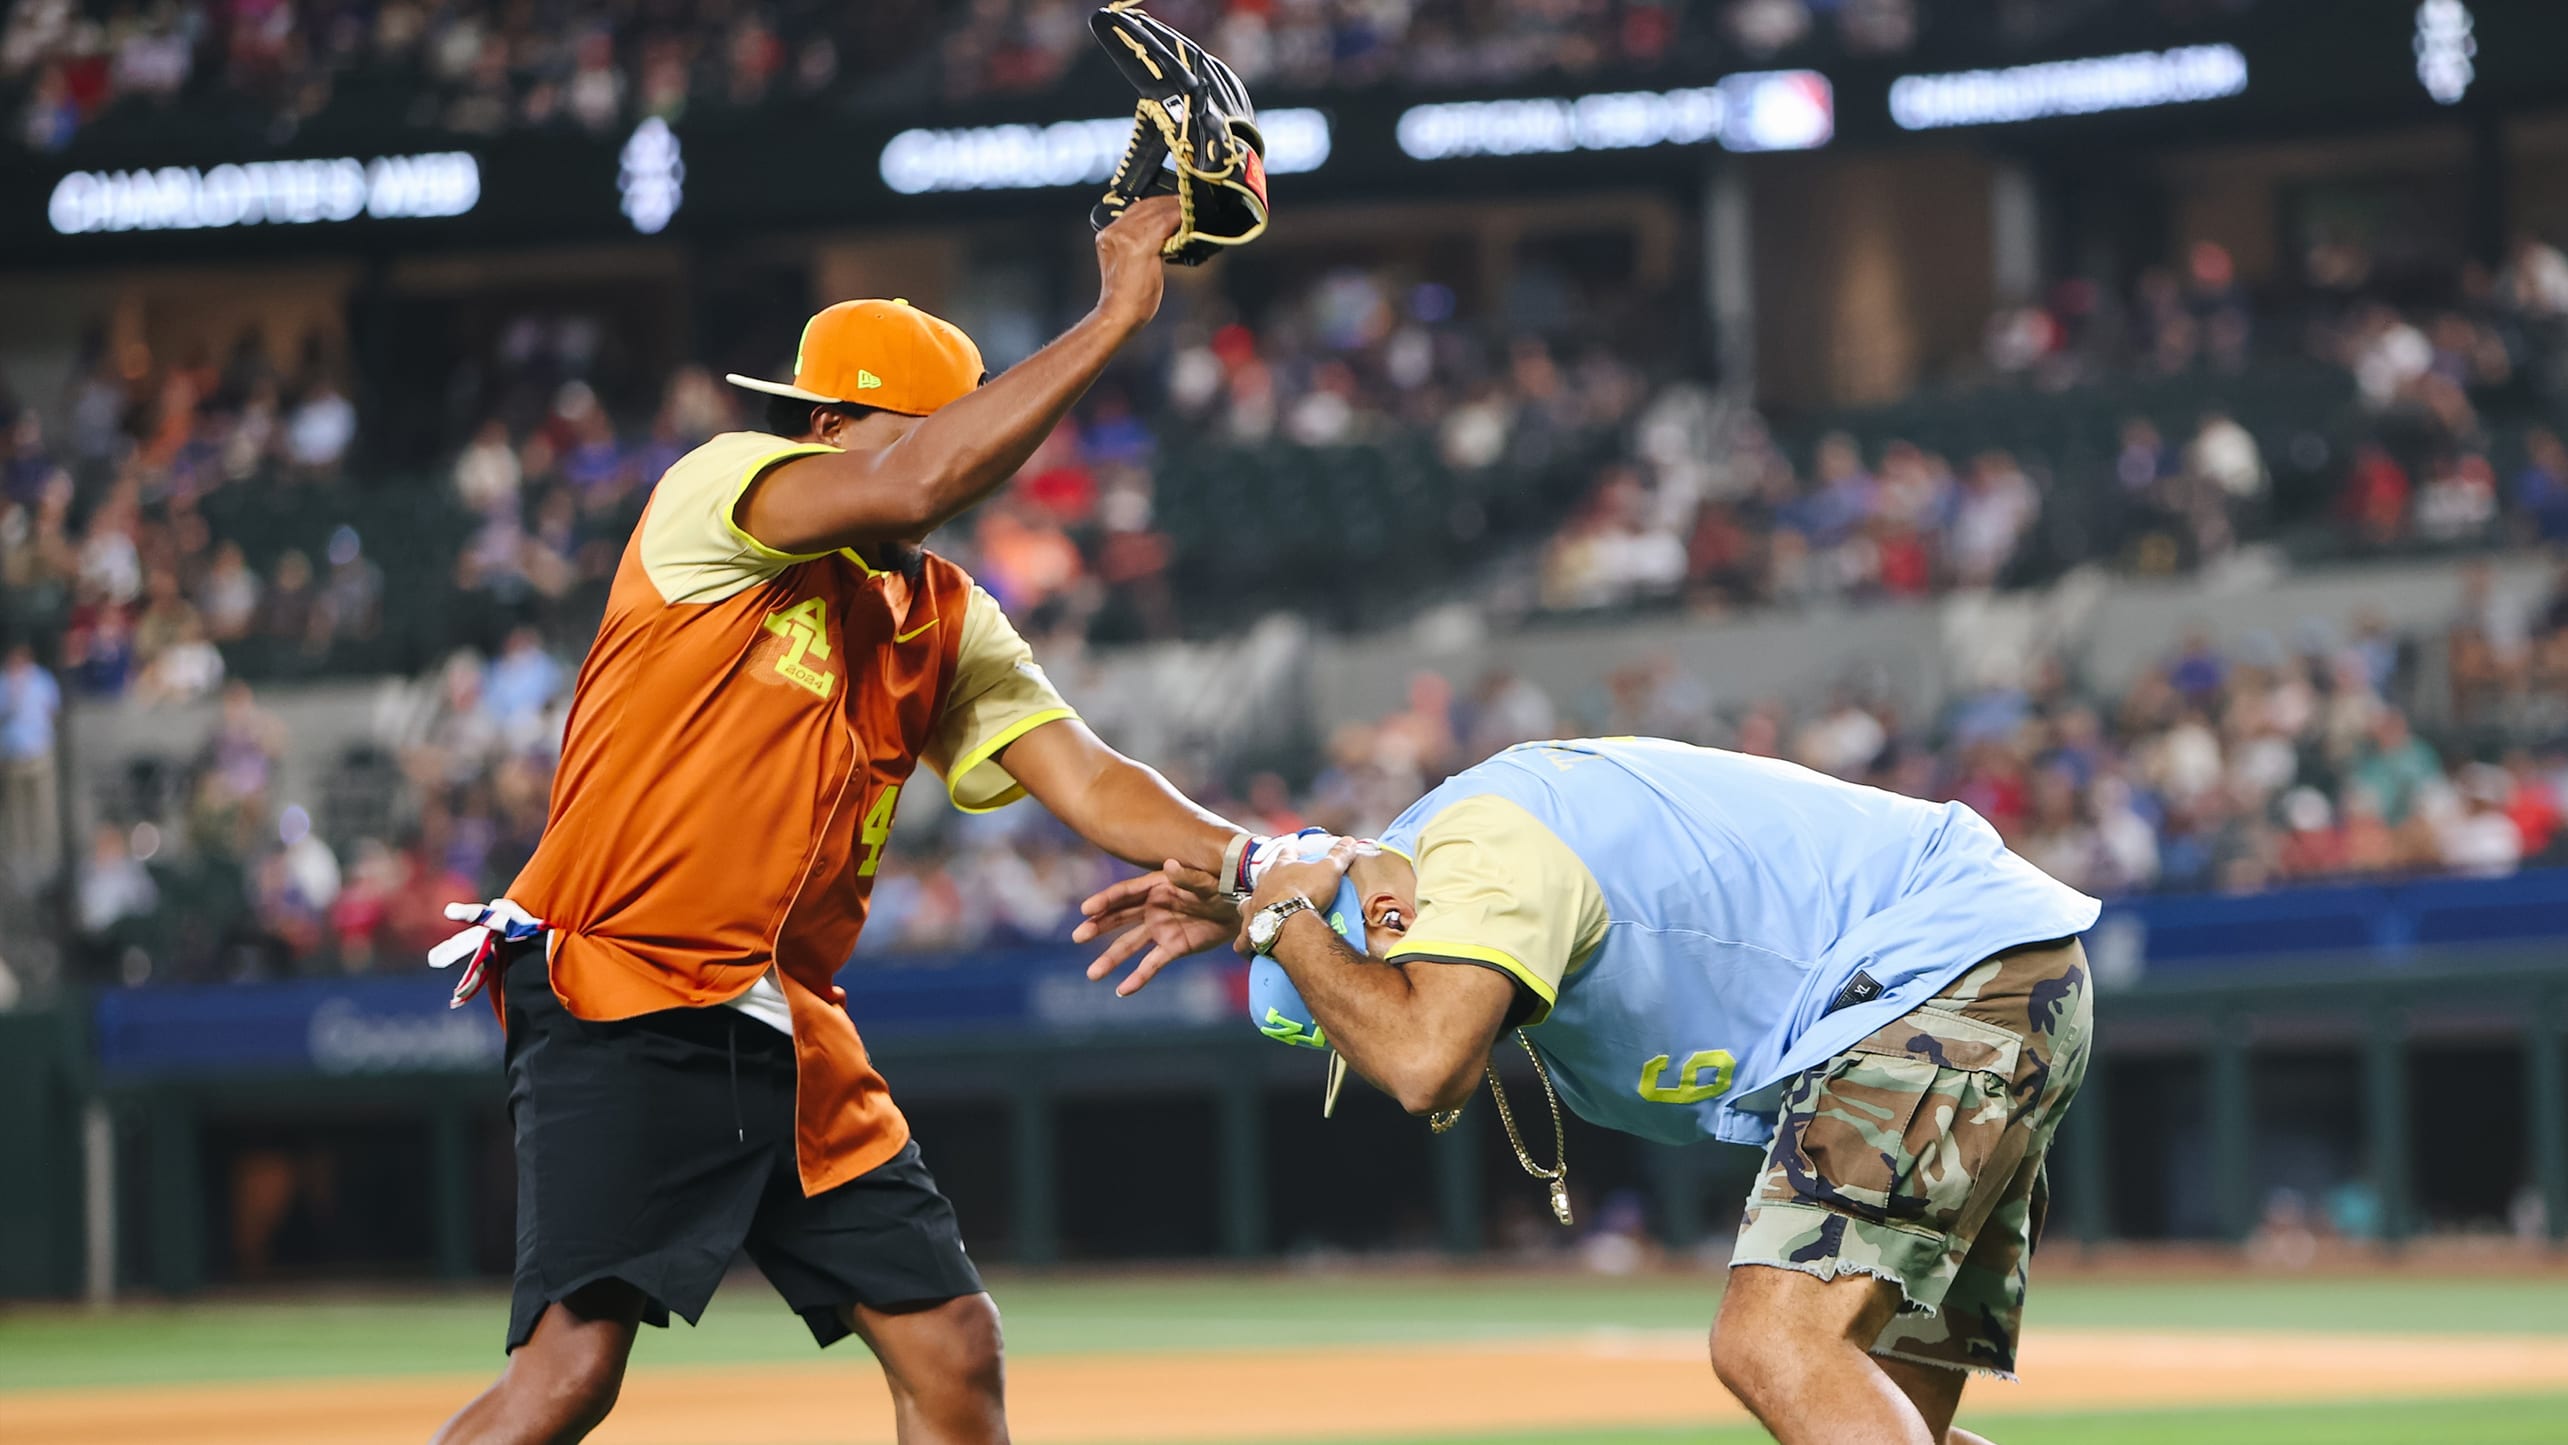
(1261, 930)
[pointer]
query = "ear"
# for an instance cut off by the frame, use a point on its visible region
(1384, 910)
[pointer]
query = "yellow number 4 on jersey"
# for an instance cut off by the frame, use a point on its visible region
(878, 829)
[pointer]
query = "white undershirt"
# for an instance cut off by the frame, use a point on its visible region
(765, 1002)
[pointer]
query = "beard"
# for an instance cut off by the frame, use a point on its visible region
(906, 558)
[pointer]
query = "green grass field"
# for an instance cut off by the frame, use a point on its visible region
(55, 1348)
(2540, 1420)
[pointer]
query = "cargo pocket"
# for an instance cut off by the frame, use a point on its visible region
(1903, 1128)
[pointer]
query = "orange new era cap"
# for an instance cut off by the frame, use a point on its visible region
(886, 354)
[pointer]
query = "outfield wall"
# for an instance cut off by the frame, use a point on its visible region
(2397, 1054)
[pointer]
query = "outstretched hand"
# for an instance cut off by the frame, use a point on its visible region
(1162, 916)
(1315, 879)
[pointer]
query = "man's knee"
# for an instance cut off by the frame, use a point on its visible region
(570, 1370)
(948, 1358)
(1778, 1327)
(1757, 1362)
(587, 1382)
(976, 1351)
(572, 1381)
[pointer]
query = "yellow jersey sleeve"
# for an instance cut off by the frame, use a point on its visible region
(998, 696)
(693, 547)
(1498, 889)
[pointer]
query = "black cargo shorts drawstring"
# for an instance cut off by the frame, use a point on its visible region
(731, 1055)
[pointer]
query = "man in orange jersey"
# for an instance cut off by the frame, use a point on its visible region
(777, 655)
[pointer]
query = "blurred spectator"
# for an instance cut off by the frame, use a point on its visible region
(351, 601)
(115, 887)
(521, 684)
(178, 661)
(487, 474)
(1998, 504)
(2374, 502)
(1505, 710)
(320, 430)
(291, 611)
(2458, 501)
(2541, 487)
(2387, 355)
(2224, 475)
(2477, 833)
(1620, 552)
(2535, 280)
(241, 754)
(2396, 765)
(227, 597)
(30, 701)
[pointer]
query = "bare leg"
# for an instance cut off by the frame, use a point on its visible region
(944, 1365)
(1796, 1350)
(1936, 1392)
(559, 1384)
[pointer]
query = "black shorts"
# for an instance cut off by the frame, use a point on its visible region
(653, 1150)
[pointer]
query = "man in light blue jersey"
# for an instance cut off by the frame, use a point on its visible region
(1698, 943)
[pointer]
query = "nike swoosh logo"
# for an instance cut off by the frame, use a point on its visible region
(915, 631)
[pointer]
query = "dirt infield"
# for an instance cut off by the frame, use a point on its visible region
(1590, 1380)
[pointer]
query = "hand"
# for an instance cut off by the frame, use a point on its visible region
(1316, 879)
(1173, 912)
(1130, 273)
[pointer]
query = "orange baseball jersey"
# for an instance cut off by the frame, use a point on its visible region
(741, 732)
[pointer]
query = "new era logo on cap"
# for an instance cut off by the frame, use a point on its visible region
(867, 381)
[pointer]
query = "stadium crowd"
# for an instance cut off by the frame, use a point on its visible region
(104, 540)
(178, 525)
(2446, 450)
(272, 71)
(2267, 762)
(269, 72)
(113, 516)
(474, 67)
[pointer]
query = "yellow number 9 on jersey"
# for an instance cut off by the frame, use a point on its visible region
(1690, 1087)
(878, 829)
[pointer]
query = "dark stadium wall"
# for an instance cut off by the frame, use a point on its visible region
(1873, 271)
(2428, 1096)
(927, 269)
(43, 1077)
(2265, 203)
(428, 332)
(2540, 173)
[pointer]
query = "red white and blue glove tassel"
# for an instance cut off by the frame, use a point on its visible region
(489, 925)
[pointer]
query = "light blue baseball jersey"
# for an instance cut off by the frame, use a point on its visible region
(1700, 926)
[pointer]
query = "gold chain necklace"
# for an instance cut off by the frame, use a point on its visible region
(1557, 1176)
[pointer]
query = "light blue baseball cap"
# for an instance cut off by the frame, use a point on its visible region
(1274, 1005)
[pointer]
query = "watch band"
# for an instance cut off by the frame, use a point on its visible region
(1281, 912)
(1235, 856)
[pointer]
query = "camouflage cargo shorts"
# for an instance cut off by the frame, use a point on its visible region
(1916, 1156)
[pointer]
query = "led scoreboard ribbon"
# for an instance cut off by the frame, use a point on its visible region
(432, 186)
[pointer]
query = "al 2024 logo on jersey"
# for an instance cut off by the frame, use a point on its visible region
(805, 629)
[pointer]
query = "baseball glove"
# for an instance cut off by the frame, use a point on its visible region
(1194, 135)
